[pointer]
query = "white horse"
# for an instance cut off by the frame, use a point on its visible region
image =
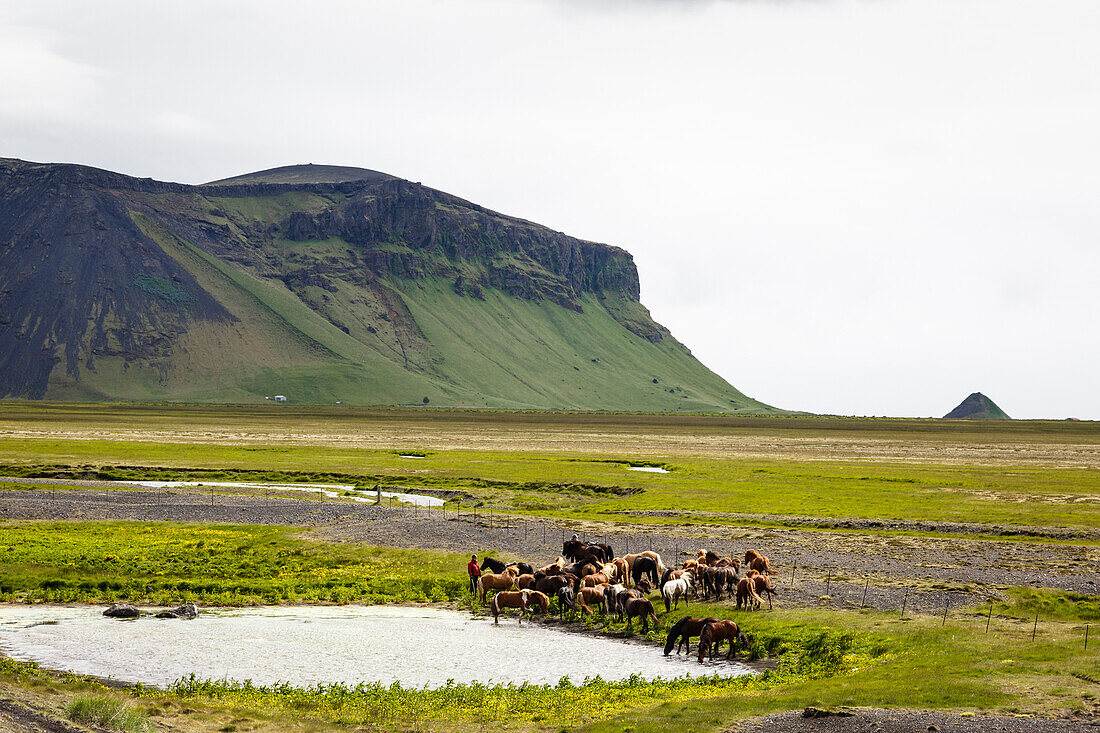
(674, 590)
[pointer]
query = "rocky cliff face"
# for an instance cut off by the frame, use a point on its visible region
(276, 273)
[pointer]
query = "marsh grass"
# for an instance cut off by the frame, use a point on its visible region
(232, 565)
(109, 712)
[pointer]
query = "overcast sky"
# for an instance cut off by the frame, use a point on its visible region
(863, 207)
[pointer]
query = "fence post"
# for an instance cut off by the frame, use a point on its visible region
(1086, 637)
(828, 577)
(794, 572)
(1035, 627)
(989, 617)
(863, 603)
(904, 600)
(946, 600)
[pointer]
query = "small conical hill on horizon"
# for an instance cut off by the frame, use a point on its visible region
(977, 407)
(325, 284)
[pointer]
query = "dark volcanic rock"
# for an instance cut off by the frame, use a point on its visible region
(184, 610)
(121, 610)
(977, 407)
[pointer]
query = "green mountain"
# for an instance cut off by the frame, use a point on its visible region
(324, 284)
(978, 407)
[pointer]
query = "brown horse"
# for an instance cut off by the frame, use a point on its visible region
(509, 599)
(725, 578)
(761, 565)
(751, 555)
(525, 582)
(622, 572)
(714, 633)
(590, 596)
(491, 581)
(641, 607)
(763, 584)
(534, 598)
(683, 630)
(746, 593)
(590, 581)
(551, 583)
(555, 567)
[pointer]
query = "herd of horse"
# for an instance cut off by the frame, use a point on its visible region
(589, 578)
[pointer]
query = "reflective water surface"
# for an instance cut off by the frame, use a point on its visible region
(310, 644)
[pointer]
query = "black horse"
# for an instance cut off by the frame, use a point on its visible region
(496, 566)
(644, 567)
(683, 630)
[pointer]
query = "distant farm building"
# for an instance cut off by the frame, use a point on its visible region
(280, 398)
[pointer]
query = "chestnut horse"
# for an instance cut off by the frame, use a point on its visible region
(526, 581)
(534, 598)
(683, 630)
(509, 599)
(491, 581)
(590, 581)
(761, 565)
(593, 596)
(714, 633)
(746, 593)
(763, 584)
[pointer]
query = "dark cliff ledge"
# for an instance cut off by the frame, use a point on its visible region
(403, 228)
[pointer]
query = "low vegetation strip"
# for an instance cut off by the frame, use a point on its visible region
(230, 565)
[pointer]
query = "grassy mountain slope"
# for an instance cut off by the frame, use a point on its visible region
(325, 284)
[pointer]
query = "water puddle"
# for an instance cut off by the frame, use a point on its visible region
(648, 469)
(324, 644)
(328, 490)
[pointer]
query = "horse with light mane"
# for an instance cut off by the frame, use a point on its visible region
(495, 581)
(509, 599)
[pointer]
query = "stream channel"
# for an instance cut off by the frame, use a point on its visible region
(304, 645)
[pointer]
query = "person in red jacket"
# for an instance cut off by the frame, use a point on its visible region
(474, 571)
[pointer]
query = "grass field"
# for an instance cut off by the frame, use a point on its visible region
(577, 465)
(722, 471)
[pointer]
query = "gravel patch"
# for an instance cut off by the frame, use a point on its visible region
(907, 721)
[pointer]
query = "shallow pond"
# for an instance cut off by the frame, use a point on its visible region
(306, 645)
(328, 490)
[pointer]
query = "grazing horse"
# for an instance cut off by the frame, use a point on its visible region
(674, 590)
(611, 598)
(622, 595)
(641, 607)
(622, 572)
(644, 567)
(761, 565)
(746, 593)
(525, 582)
(566, 599)
(683, 630)
(725, 578)
(763, 584)
(509, 599)
(643, 586)
(491, 581)
(714, 633)
(551, 583)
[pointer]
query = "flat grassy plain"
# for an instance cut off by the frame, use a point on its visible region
(722, 471)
